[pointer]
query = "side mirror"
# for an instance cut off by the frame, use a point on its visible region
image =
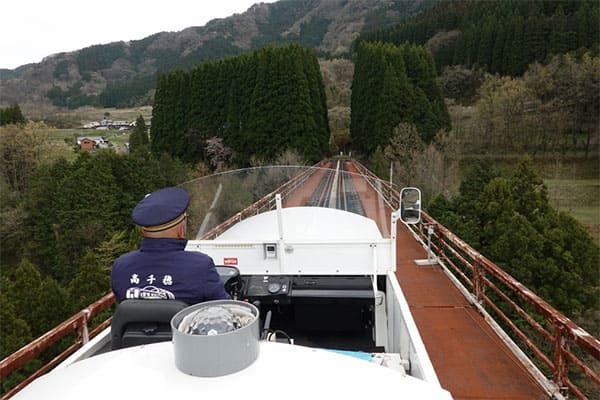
(410, 205)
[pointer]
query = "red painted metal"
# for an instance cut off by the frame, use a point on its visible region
(566, 333)
(75, 324)
(44, 369)
(478, 281)
(560, 364)
(587, 371)
(483, 270)
(519, 333)
(523, 314)
(265, 203)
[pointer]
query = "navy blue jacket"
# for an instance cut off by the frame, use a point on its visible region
(161, 269)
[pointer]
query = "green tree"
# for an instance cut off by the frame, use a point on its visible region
(138, 139)
(25, 290)
(70, 208)
(22, 148)
(510, 220)
(259, 104)
(12, 234)
(392, 85)
(500, 36)
(52, 307)
(11, 115)
(14, 331)
(90, 283)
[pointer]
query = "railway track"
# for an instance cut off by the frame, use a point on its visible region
(336, 190)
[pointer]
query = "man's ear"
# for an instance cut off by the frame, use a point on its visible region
(181, 230)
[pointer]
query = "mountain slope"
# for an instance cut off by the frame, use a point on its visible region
(499, 36)
(124, 73)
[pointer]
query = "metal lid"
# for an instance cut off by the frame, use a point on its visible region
(215, 338)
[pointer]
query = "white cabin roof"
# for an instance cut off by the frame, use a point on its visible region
(305, 223)
(281, 370)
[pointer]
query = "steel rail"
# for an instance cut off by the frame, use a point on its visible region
(77, 323)
(565, 330)
(326, 192)
(266, 202)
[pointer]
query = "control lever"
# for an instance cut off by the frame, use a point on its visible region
(267, 325)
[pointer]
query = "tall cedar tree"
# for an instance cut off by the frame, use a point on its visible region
(393, 85)
(138, 140)
(11, 115)
(261, 104)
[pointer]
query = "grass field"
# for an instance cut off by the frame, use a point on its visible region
(580, 198)
(63, 141)
(573, 183)
(80, 116)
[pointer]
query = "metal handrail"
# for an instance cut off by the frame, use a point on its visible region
(267, 202)
(481, 270)
(77, 324)
(565, 333)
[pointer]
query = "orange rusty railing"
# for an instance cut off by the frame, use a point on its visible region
(265, 203)
(77, 324)
(565, 343)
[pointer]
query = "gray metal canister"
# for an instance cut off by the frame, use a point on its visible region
(220, 354)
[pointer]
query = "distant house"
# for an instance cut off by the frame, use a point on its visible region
(91, 125)
(92, 142)
(107, 124)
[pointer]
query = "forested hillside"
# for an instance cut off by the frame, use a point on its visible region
(260, 104)
(519, 79)
(500, 36)
(122, 74)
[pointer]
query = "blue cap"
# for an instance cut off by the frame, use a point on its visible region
(161, 210)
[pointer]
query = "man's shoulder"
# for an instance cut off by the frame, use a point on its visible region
(197, 256)
(127, 256)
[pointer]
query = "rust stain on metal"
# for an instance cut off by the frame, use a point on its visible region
(469, 359)
(572, 331)
(71, 325)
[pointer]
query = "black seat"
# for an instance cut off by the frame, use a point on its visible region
(137, 322)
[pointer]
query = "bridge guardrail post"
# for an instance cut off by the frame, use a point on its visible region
(83, 331)
(560, 362)
(478, 281)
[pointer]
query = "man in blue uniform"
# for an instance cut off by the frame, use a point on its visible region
(161, 269)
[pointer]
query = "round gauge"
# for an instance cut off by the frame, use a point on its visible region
(274, 287)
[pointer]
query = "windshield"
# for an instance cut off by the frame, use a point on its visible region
(220, 200)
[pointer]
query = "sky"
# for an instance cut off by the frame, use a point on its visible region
(33, 29)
